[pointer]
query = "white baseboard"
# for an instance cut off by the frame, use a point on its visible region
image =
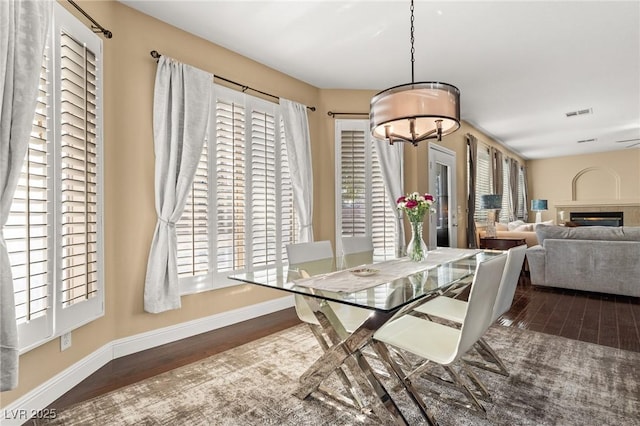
(35, 401)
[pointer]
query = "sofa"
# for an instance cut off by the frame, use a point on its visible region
(517, 229)
(591, 258)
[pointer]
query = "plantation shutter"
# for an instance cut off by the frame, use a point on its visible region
(353, 179)
(54, 230)
(264, 189)
(192, 229)
(522, 201)
(505, 214)
(230, 184)
(483, 180)
(77, 131)
(383, 221)
(362, 206)
(288, 222)
(28, 231)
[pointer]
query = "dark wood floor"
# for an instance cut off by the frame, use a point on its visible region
(592, 317)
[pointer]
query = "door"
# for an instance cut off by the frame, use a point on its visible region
(443, 225)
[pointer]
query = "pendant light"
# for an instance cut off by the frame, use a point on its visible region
(415, 112)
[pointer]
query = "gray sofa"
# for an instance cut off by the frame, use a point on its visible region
(592, 258)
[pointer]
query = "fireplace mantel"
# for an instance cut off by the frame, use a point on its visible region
(595, 203)
(631, 209)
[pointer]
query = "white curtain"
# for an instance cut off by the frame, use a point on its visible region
(181, 104)
(391, 163)
(296, 124)
(23, 33)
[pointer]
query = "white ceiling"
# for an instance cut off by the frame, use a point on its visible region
(519, 65)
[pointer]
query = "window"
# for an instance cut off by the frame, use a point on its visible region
(484, 180)
(54, 231)
(484, 185)
(362, 206)
(239, 215)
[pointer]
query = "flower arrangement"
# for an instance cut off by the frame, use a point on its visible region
(416, 205)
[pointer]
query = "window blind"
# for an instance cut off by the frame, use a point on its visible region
(230, 185)
(28, 227)
(288, 221)
(353, 178)
(78, 171)
(484, 180)
(362, 207)
(239, 214)
(54, 229)
(264, 203)
(192, 230)
(383, 219)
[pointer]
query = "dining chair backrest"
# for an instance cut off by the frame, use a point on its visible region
(314, 258)
(482, 297)
(510, 277)
(307, 259)
(356, 251)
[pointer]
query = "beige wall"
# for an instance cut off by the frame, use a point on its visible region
(603, 178)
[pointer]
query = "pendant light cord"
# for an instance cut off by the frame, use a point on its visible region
(413, 50)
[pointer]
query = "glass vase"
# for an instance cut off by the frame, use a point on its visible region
(417, 249)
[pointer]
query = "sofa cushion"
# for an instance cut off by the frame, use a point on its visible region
(598, 233)
(527, 227)
(513, 225)
(548, 222)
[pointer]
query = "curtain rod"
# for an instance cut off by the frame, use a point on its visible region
(97, 28)
(156, 55)
(333, 114)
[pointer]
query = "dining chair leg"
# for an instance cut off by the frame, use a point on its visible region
(463, 387)
(492, 357)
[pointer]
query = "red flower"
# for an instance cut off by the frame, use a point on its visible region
(428, 197)
(411, 204)
(401, 200)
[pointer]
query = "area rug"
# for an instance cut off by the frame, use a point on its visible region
(553, 381)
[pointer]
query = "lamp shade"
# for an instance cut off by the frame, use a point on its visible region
(413, 112)
(490, 201)
(538, 205)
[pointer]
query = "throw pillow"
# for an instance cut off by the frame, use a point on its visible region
(513, 225)
(527, 227)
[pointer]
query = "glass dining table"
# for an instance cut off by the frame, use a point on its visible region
(374, 293)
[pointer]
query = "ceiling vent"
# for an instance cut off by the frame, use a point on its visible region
(579, 112)
(588, 140)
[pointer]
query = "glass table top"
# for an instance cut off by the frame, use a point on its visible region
(385, 296)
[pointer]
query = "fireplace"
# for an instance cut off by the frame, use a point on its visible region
(597, 218)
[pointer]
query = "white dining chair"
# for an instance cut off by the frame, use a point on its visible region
(314, 258)
(356, 251)
(455, 310)
(438, 344)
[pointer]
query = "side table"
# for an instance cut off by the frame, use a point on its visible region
(501, 243)
(505, 243)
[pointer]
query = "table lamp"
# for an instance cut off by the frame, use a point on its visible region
(538, 206)
(491, 202)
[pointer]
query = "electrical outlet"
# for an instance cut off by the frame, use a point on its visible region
(65, 341)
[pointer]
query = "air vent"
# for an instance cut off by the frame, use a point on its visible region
(579, 112)
(588, 140)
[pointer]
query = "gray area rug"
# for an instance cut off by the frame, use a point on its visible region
(553, 381)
